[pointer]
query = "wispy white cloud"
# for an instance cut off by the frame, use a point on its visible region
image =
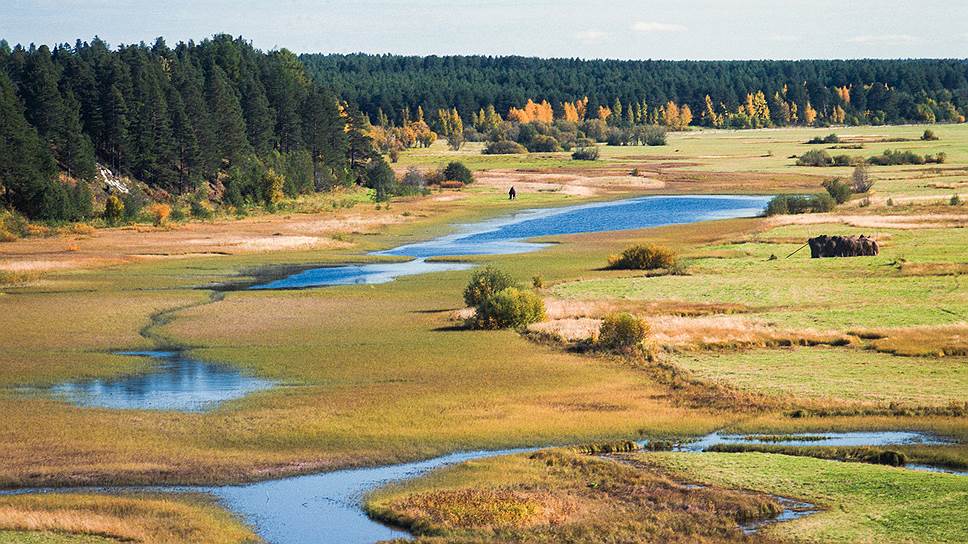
(591, 36)
(883, 39)
(655, 26)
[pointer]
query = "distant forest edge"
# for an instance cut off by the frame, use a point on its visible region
(718, 93)
(90, 131)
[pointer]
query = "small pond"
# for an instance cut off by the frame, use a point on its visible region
(173, 381)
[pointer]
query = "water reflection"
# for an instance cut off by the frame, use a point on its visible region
(174, 381)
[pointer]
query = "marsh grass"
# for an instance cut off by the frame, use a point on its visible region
(860, 502)
(145, 518)
(566, 497)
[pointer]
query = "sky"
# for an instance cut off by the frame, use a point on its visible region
(676, 30)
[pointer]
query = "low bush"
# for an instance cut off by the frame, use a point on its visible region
(504, 147)
(622, 332)
(652, 136)
(414, 178)
(929, 136)
(456, 171)
(450, 184)
(113, 210)
(955, 200)
(159, 213)
(542, 143)
(815, 157)
(795, 204)
(585, 154)
(485, 283)
(12, 226)
(509, 308)
(861, 180)
(643, 257)
(202, 209)
(892, 157)
(838, 190)
(828, 139)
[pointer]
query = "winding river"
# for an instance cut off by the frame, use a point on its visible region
(327, 507)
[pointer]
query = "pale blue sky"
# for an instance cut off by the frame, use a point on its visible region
(680, 29)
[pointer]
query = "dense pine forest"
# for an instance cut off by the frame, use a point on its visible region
(89, 130)
(836, 91)
(215, 114)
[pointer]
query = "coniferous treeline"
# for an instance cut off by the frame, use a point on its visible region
(216, 112)
(835, 91)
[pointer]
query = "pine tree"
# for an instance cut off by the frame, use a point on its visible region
(359, 148)
(27, 170)
(186, 150)
(229, 124)
(259, 118)
(324, 130)
(76, 152)
(187, 79)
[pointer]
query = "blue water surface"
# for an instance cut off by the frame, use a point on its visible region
(174, 381)
(508, 235)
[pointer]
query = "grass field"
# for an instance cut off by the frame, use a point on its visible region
(861, 503)
(376, 374)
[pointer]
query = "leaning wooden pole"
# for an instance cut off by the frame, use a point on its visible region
(798, 249)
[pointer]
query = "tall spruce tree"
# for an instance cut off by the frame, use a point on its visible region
(27, 169)
(226, 111)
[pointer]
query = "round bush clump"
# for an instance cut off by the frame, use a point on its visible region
(458, 172)
(504, 147)
(510, 308)
(643, 257)
(622, 332)
(485, 283)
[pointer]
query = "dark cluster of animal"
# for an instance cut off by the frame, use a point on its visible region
(842, 246)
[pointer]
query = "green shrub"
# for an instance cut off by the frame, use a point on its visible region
(622, 332)
(838, 190)
(504, 147)
(955, 200)
(12, 226)
(113, 210)
(585, 153)
(509, 308)
(643, 257)
(794, 204)
(485, 283)
(652, 136)
(929, 135)
(815, 157)
(201, 208)
(828, 139)
(458, 172)
(542, 143)
(892, 157)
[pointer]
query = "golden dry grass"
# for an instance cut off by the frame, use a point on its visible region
(148, 519)
(566, 497)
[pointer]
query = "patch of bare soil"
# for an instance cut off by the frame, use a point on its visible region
(103, 247)
(580, 183)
